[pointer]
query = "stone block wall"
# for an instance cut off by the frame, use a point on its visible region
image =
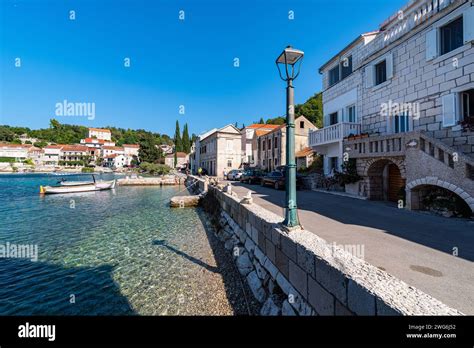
(299, 273)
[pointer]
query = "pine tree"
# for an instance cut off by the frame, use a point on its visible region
(185, 140)
(178, 143)
(261, 121)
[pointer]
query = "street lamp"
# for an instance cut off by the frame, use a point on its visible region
(289, 58)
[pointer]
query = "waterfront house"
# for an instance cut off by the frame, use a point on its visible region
(112, 150)
(194, 156)
(271, 146)
(100, 133)
(115, 160)
(35, 154)
(400, 103)
(74, 155)
(51, 155)
(131, 152)
(13, 152)
(182, 160)
(219, 150)
(249, 141)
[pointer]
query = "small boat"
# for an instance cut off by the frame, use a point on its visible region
(86, 187)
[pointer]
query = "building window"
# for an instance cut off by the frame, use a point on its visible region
(332, 118)
(401, 123)
(302, 124)
(451, 36)
(341, 71)
(346, 67)
(351, 114)
(333, 76)
(229, 163)
(275, 142)
(381, 72)
(467, 106)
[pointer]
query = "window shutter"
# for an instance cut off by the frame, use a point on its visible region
(341, 116)
(369, 76)
(449, 110)
(431, 44)
(468, 21)
(389, 66)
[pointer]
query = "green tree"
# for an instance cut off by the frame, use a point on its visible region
(277, 120)
(261, 121)
(186, 142)
(148, 150)
(178, 145)
(312, 109)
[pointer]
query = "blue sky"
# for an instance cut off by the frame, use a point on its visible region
(173, 62)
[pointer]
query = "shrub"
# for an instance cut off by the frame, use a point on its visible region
(87, 170)
(155, 169)
(349, 173)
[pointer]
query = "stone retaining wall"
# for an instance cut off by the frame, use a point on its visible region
(299, 273)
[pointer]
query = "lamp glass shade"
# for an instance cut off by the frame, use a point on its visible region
(292, 56)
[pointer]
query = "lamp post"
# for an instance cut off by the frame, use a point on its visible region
(289, 58)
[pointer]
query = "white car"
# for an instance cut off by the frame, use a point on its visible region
(235, 174)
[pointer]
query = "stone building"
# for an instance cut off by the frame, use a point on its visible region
(219, 150)
(182, 160)
(271, 146)
(411, 84)
(250, 135)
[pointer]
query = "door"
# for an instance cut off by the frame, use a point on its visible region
(395, 183)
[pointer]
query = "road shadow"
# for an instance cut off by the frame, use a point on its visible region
(440, 233)
(39, 288)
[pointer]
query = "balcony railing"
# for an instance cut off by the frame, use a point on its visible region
(333, 133)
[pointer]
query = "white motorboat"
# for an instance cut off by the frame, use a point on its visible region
(86, 187)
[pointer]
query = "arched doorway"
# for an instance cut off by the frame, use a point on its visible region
(385, 181)
(439, 200)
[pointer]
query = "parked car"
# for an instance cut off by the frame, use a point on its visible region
(277, 180)
(252, 176)
(234, 174)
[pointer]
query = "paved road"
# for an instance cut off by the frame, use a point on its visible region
(414, 246)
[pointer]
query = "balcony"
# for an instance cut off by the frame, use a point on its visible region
(334, 133)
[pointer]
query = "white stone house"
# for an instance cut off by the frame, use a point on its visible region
(220, 150)
(195, 155)
(414, 83)
(342, 100)
(51, 155)
(131, 151)
(100, 133)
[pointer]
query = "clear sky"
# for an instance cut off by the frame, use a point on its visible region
(172, 62)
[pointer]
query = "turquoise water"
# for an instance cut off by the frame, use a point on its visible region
(115, 252)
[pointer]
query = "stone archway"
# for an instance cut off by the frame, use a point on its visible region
(414, 195)
(386, 179)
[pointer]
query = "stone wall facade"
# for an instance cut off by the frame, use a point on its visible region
(298, 273)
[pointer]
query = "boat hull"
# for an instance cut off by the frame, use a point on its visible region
(98, 186)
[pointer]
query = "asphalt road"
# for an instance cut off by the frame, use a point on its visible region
(416, 247)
